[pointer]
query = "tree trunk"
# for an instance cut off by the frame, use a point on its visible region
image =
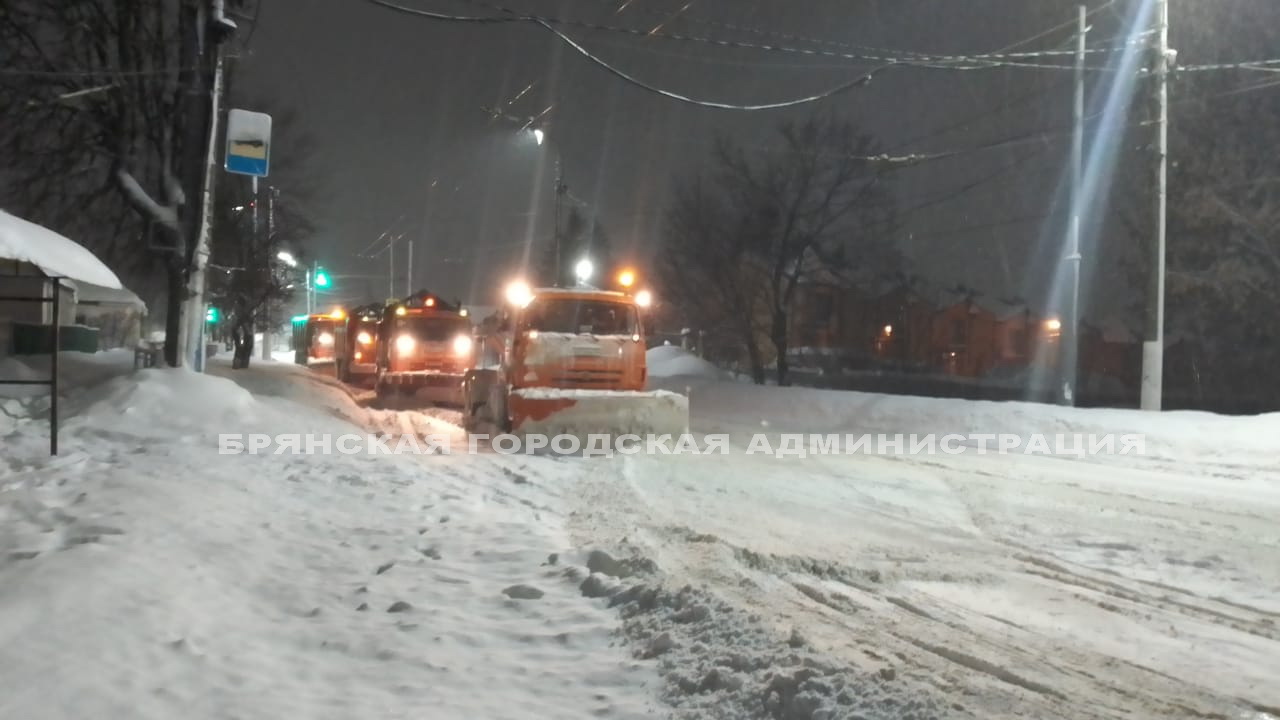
(757, 363)
(778, 335)
(242, 337)
(175, 294)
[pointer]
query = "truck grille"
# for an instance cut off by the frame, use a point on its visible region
(588, 378)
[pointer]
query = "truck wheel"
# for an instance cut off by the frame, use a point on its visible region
(498, 408)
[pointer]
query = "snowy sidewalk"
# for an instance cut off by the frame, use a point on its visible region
(144, 575)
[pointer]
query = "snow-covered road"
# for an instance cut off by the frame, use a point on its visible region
(144, 575)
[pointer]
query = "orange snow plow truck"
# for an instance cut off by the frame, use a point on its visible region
(567, 362)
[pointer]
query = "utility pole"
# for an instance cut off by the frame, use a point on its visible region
(391, 268)
(271, 273)
(1071, 348)
(408, 271)
(1153, 334)
(202, 79)
(560, 191)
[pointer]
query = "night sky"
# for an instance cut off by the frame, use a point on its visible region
(392, 105)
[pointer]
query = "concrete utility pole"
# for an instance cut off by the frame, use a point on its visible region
(1071, 347)
(193, 334)
(1153, 334)
(408, 271)
(560, 191)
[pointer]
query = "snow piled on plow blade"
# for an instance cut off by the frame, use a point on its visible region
(551, 412)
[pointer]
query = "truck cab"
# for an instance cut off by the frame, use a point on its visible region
(555, 353)
(577, 339)
(424, 347)
(356, 343)
(315, 337)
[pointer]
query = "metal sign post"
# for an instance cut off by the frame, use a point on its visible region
(249, 153)
(56, 338)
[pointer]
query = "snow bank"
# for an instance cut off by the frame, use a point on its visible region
(669, 361)
(54, 254)
(718, 663)
(732, 407)
(77, 371)
(144, 574)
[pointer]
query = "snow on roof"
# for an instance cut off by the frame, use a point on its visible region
(55, 255)
(97, 294)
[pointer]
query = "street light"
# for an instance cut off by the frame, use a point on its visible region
(287, 258)
(540, 137)
(583, 270)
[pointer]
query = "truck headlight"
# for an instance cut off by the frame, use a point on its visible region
(364, 338)
(462, 345)
(405, 344)
(326, 338)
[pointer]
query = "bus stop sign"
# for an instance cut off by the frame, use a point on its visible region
(248, 143)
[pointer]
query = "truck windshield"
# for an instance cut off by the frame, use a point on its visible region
(594, 317)
(432, 328)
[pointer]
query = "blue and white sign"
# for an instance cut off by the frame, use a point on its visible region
(248, 143)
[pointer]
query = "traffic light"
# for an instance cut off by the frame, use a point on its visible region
(211, 315)
(322, 278)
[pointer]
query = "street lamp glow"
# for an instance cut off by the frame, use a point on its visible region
(539, 136)
(627, 278)
(583, 270)
(287, 258)
(644, 298)
(519, 294)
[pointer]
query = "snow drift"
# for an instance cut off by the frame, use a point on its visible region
(670, 361)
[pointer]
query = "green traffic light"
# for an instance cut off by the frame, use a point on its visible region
(211, 315)
(322, 278)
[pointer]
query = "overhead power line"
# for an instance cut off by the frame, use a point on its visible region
(795, 37)
(1272, 65)
(923, 60)
(859, 81)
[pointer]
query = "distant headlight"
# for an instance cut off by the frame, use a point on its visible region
(462, 345)
(326, 338)
(364, 338)
(405, 344)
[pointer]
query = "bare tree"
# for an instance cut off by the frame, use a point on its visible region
(248, 278)
(746, 238)
(106, 107)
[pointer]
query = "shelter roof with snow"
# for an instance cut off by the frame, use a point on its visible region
(53, 254)
(90, 294)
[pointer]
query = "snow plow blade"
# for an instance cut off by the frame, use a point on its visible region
(552, 412)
